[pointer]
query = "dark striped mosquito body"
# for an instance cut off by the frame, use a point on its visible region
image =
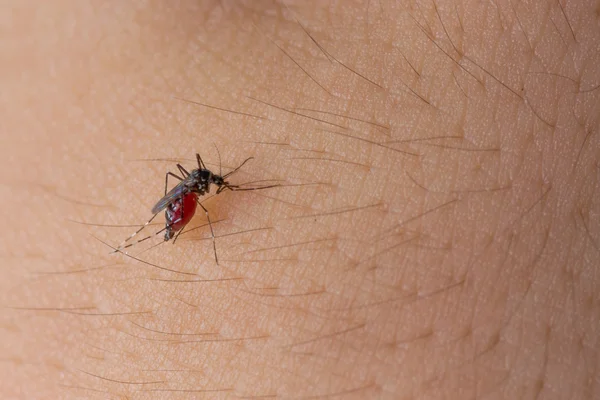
(180, 202)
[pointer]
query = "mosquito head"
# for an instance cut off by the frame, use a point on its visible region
(220, 182)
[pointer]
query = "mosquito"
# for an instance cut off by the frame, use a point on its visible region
(180, 203)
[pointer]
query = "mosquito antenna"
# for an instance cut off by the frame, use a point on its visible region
(240, 166)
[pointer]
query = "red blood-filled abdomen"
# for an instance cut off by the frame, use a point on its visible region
(181, 211)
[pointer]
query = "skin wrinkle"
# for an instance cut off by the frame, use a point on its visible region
(439, 239)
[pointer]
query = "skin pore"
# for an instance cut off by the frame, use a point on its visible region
(436, 234)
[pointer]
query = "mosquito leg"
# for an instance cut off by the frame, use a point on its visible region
(121, 247)
(211, 231)
(242, 189)
(200, 162)
(220, 164)
(136, 232)
(179, 233)
(174, 176)
(238, 188)
(183, 171)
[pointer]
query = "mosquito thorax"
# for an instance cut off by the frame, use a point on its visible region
(200, 176)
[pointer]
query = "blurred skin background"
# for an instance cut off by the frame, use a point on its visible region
(436, 235)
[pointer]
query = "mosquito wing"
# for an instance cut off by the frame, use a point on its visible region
(177, 192)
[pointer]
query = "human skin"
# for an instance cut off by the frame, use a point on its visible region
(435, 235)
